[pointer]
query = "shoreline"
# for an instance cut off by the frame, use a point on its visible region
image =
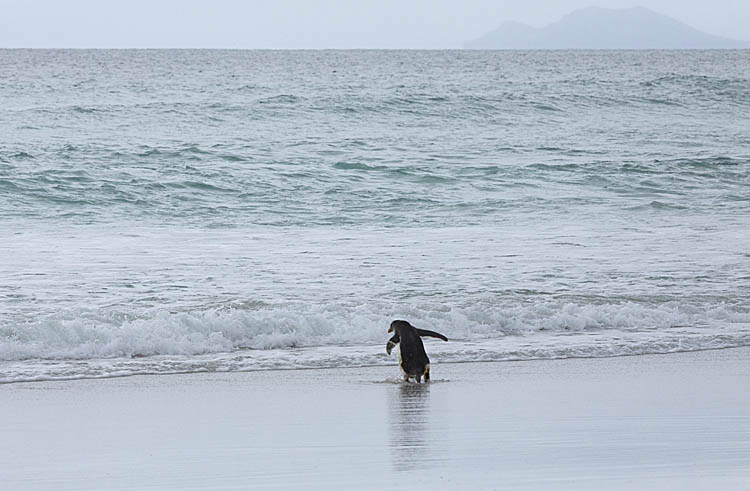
(635, 422)
(500, 350)
(371, 365)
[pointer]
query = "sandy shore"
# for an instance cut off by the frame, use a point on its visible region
(679, 421)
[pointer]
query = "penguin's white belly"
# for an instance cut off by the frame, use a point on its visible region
(400, 365)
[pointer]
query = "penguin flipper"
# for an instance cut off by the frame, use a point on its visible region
(432, 334)
(392, 343)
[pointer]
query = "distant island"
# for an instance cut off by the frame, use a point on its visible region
(602, 28)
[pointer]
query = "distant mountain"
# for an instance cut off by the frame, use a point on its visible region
(600, 28)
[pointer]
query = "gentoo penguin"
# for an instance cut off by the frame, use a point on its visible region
(411, 356)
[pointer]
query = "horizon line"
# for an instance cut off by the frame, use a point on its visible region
(205, 48)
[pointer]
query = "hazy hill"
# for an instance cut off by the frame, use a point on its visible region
(600, 28)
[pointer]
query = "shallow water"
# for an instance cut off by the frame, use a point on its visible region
(678, 421)
(187, 210)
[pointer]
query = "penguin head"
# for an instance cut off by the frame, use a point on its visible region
(397, 325)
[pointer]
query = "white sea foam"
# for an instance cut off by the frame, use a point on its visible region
(91, 344)
(509, 348)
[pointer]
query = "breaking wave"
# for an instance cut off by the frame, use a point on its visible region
(267, 337)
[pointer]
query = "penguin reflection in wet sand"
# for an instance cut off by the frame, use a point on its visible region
(412, 357)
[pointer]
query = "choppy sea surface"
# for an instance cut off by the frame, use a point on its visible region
(177, 211)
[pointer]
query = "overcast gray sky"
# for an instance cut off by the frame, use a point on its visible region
(313, 23)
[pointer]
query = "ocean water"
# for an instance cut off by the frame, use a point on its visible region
(177, 211)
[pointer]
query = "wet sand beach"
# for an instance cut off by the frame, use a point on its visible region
(678, 421)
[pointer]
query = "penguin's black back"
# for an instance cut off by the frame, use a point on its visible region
(414, 359)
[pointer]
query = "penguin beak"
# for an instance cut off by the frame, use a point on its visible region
(390, 329)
